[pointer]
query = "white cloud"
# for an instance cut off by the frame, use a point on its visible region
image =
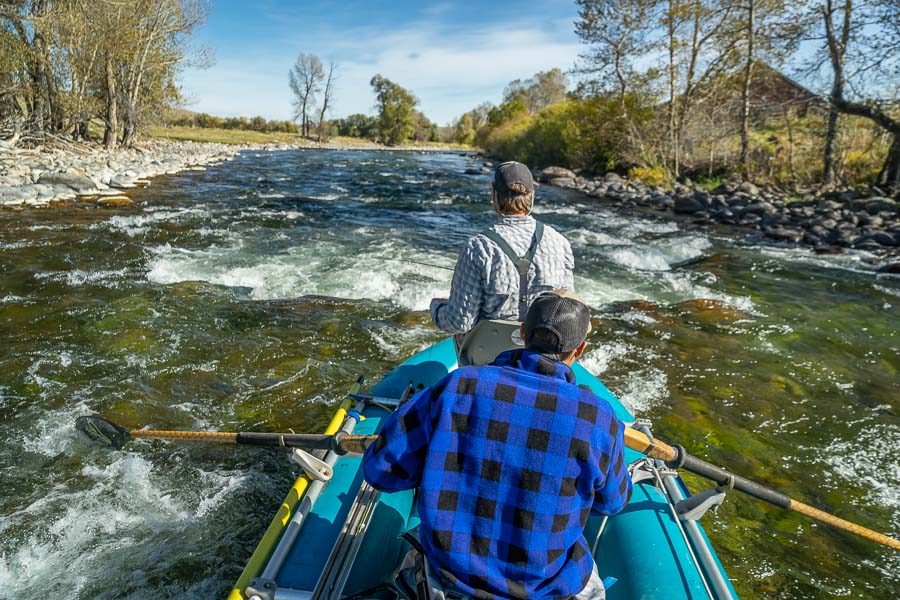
(450, 71)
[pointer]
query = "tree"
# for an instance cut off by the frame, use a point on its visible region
(616, 32)
(358, 126)
(541, 90)
(396, 111)
(305, 79)
(68, 61)
(327, 96)
(865, 37)
(763, 28)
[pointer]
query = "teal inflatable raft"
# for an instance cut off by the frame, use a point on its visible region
(341, 539)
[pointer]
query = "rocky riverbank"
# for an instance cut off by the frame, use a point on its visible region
(866, 218)
(36, 177)
(40, 177)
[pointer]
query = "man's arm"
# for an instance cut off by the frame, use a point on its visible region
(396, 460)
(615, 491)
(460, 312)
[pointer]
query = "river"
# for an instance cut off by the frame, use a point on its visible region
(251, 295)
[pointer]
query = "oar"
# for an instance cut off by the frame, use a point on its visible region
(115, 435)
(675, 457)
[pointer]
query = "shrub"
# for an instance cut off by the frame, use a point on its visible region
(649, 175)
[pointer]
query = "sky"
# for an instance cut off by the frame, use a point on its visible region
(451, 55)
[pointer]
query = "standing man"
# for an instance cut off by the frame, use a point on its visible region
(510, 459)
(501, 269)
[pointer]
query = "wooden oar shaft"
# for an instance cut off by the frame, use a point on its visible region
(821, 515)
(343, 443)
(198, 436)
(678, 458)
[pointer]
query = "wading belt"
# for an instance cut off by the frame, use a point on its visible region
(522, 263)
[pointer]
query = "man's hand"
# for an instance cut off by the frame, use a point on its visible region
(436, 303)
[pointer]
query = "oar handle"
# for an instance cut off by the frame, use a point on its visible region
(677, 458)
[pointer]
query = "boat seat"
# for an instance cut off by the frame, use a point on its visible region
(487, 340)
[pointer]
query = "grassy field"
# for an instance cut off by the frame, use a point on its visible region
(241, 136)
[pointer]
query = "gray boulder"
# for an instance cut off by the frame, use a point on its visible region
(687, 205)
(784, 234)
(748, 188)
(72, 179)
(562, 181)
(550, 173)
(876, 205)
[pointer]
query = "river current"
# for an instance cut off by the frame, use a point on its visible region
(250, 296)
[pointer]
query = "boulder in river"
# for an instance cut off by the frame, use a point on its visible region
(72, 178)
(562, 181)
(687, 205)
(550, 173)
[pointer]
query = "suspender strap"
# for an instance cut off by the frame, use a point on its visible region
(522, 263)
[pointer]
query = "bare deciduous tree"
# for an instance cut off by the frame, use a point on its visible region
(305, 79)
(327, 97)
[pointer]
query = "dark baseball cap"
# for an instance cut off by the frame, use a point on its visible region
(510, 173)
(557, 322)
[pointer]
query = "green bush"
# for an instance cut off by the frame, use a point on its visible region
(589, 134)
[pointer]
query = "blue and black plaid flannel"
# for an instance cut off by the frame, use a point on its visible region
(510, 460)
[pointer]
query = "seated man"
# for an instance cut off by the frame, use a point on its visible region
(486, 282)
(510, 459)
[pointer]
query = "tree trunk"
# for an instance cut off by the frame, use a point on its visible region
(890, 172)
(745, 90)
(112, 107)
(129, 132)
(829, 175)
(673, 139)
(837, 50)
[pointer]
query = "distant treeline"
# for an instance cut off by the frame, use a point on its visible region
(243, 123)
(694, 88)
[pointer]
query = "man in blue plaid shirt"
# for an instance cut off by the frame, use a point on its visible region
(510, 460)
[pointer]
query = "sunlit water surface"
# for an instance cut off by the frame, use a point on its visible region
(250, 296)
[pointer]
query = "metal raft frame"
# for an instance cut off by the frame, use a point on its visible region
(334, 576)
(684, 513)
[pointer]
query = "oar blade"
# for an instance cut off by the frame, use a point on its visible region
(103, 431)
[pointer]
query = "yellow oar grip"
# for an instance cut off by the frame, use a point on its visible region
(199, 436)
(840, 523)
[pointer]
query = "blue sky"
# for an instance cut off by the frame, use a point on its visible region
(451, 55)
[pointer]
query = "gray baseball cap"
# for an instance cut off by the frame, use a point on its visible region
(557, 322)
(510, 173)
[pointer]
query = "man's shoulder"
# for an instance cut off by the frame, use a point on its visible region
(551, 233)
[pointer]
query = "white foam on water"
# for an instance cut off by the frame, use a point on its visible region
(871, 459)
(137, 224)
(323, 269)
(598, 292)
(128, 506)
(79, 277)
(597, 359)
(639, 258)
(399, 343)
(888, 290)
(586, 239)
(644, 389)
(271, 195)
(16, 245)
